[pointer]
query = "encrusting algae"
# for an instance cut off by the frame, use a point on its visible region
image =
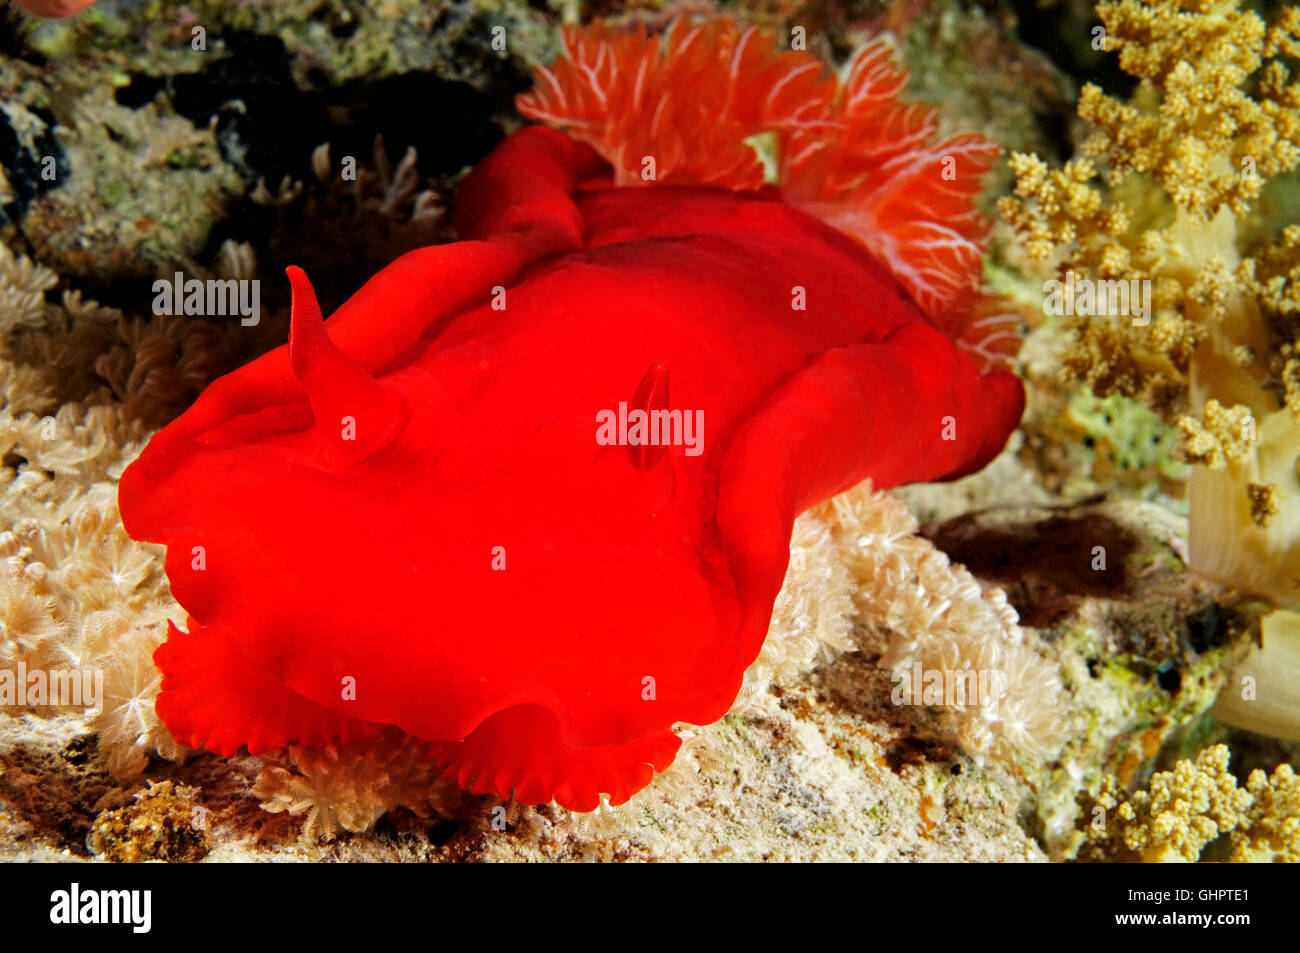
(161, 823)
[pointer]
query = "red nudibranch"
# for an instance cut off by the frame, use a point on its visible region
(55, 8)
(404, 517)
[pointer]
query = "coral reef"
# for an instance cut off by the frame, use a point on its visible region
(79, 592)
(1185, 184)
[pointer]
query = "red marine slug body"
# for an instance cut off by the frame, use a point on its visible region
(55, 8)
(419, 513)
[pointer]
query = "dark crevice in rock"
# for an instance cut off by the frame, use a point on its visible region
(22, 155)
(267, 127)
(1054, 27)
(1046, 566)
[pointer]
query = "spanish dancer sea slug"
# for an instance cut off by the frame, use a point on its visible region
(405, 516)
(55, 8)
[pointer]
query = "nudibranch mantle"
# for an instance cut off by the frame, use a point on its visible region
(404, 516)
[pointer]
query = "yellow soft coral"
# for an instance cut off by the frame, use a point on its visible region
(1223, 436)
(1273, 833)
(1206, 140)
(1185, 809)
(1161, 193)
(1214, 117)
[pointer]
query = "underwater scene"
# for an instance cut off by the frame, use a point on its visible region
(541, 430)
